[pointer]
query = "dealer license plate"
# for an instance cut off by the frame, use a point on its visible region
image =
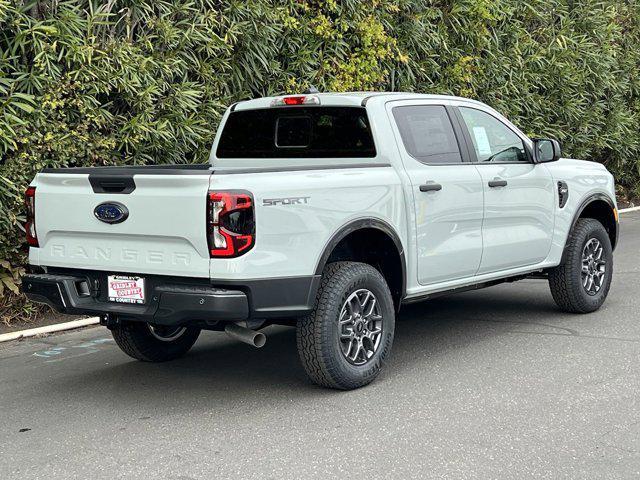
(125, 289)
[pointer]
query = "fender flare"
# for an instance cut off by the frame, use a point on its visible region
(360, 224)
(576, 216)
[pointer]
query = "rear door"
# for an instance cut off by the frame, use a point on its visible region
(519, 195)
(164, 233)
(447, 191)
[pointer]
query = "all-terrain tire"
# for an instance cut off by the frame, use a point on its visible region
(318, 334)
(137, 340)
(566, 282)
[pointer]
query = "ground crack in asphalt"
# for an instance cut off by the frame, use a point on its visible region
(570, 332)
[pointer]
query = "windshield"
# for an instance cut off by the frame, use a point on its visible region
(303, 132)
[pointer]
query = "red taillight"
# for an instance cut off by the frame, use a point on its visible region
(30, 224)
(230, 223)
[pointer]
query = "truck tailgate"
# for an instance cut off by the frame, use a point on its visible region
(164, 233)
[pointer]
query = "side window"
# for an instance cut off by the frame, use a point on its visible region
(427, 133)
(493, 140)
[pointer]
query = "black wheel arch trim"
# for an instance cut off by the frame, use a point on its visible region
(583, 205)
(360, 224)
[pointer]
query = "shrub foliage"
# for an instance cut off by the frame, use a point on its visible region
(136, 82)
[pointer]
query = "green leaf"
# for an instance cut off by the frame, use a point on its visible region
(11, 285)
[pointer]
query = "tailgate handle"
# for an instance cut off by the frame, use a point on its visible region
(112, 183)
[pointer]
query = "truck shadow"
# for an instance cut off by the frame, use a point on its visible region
(224, 373)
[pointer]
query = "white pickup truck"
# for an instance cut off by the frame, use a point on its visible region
(323, 211)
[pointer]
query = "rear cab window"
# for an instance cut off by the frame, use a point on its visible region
(427, 133)
(297, 132)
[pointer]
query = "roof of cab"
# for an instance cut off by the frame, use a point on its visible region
(345, 99)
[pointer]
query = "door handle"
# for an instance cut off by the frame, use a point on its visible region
(430, 187)
(497, 182)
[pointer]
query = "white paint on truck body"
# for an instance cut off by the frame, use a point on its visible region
(164, 235)
(290, 238)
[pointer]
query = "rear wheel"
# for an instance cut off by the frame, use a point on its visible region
(154, 343)
(347, 338)
(581, 284)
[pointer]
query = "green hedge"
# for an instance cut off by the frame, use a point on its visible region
(136, 82)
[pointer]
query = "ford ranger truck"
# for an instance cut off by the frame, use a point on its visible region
(326, 212)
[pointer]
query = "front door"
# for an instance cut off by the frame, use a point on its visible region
(447, 192)
(519, 195)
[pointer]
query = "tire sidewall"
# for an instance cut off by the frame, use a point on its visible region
(373, 281)
(597, 231)
(137, 341)
(177, 347)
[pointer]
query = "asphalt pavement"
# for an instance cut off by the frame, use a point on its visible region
(495, 383)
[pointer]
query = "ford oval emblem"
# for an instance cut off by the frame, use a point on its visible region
(111, 212)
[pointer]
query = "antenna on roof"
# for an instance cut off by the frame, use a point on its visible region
(311, 89)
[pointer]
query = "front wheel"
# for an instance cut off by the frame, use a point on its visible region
(347, 338)
(581, 284)
(154, 343)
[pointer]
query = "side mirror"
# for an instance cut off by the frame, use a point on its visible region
(546, 150)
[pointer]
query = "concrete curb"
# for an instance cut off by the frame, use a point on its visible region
(626, 210)
(60, 327)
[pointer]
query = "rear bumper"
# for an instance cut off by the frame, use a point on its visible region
(167, 304)
(175, 300)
